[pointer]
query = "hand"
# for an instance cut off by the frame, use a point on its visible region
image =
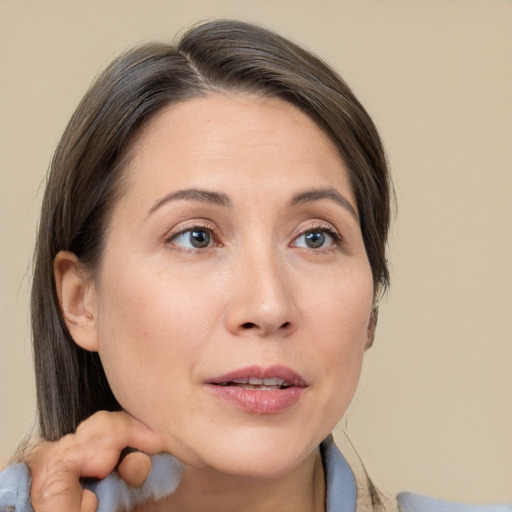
(92, 451)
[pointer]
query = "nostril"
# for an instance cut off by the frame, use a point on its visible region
(246, 326)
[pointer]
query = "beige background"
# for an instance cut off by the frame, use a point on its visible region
(434, 409)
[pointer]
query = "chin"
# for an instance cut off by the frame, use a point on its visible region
(257, 466)
(260, 455)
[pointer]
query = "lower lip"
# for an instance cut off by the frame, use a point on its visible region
(259, 401)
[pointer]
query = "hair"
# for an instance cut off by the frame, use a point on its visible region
(86, 175)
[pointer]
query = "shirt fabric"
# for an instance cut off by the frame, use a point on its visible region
(342, 492)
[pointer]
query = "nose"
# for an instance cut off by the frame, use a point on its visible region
(263, 301)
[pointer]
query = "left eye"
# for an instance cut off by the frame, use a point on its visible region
(193, 239)
(314, 239)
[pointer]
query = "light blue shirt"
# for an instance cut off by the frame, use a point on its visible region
(114, 494)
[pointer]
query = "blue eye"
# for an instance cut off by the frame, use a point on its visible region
(316, 239)
(195, 238)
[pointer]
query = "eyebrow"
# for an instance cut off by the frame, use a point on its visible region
(192, 194)
(221, 199)
(324, 193)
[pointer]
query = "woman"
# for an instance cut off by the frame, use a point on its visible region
(209, 263)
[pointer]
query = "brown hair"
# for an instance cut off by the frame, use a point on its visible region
(87, 170)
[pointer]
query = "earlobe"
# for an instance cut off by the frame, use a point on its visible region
(77, 300)
(372, 326)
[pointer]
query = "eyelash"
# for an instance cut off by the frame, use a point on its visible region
(192, 227)
(337, 239)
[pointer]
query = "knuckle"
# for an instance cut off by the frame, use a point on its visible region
(100, 425)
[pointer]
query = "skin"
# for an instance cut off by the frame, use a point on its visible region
(166, 316)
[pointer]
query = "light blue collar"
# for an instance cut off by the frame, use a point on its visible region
(341, 491)
(114, 494)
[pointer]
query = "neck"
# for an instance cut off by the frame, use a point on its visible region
(300, 490)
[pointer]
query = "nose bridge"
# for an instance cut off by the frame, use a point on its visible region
(262, 300)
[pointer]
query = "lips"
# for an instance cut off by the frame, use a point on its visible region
(259, 390)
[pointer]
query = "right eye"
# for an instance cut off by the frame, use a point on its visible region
(193, 238)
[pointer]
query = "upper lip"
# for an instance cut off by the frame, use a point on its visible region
(289, 376)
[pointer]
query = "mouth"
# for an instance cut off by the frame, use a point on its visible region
(272, 377)
(259, 390)
(255, 383)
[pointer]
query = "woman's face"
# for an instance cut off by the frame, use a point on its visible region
(234, 254)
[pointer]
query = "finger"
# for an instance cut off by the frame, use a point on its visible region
(106, 434)
(55, 470)
(89, 501)
(93, 451)
(135, 468)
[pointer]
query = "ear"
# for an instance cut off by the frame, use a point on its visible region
(77, 299)
(372, 326)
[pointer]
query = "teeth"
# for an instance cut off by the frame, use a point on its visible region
(264, 388)
(273, 382)
(253, 381)
(241, 381)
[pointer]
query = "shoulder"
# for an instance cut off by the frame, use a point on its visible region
(15, 489)
(411, 502)
(345, 472)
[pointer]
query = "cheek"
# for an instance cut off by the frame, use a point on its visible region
(341, 320)
(151, 333)
(342, 306)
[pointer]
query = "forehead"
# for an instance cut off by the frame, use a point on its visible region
(232, 140)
